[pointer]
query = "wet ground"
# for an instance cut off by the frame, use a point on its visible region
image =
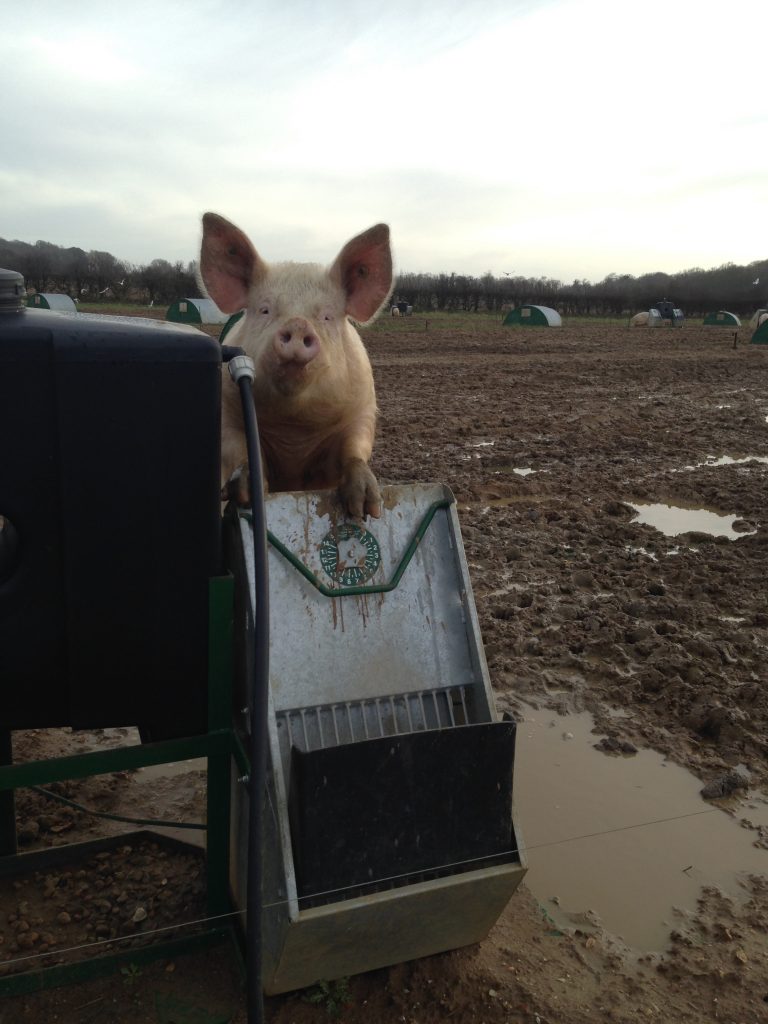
(634, 844)
(612, 487)
(583, 604)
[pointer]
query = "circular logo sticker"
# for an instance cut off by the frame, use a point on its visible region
(350, 555)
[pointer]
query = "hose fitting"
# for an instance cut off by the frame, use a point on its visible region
(241, 367)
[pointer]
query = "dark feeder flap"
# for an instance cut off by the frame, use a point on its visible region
(402, 805)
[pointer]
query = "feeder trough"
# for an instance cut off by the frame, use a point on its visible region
(388, 824)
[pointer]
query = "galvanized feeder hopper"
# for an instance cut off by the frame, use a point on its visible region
(389, 830)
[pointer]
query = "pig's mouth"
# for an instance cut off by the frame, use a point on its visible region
(290, 374)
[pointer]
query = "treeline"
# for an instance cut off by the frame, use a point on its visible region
(739, 289)
(94, 275)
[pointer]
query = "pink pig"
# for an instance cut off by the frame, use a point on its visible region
(313, 387)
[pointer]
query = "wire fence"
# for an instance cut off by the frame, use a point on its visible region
(61, 952)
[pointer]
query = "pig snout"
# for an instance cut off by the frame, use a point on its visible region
(296, 342)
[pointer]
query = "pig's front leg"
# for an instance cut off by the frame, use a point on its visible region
(359, 490)
(358, 487)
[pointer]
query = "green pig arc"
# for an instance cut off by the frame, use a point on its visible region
(363, 568)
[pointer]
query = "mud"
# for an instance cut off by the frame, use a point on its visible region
(583, 608)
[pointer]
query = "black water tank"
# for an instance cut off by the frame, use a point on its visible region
(109, 519)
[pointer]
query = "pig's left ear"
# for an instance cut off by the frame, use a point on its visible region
(363, 268)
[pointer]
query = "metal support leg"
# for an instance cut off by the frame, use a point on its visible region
(8, 845)
(220, 627)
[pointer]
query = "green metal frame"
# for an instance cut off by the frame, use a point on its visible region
(219, 745)
(100, 966)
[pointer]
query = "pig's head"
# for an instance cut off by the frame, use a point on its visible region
(296, 325)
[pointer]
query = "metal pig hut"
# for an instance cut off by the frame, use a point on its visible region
(722, 318)
(52, 300)
(195, 311)
(533, 316)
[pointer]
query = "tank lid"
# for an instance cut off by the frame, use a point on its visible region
(12, 291)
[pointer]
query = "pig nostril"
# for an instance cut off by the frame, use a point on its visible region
(309, 341)
(285, 337)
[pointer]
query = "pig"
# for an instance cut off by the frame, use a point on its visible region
(313, 387)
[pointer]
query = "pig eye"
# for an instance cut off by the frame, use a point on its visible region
(264, 310)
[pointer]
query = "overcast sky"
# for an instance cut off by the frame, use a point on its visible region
(566, 138)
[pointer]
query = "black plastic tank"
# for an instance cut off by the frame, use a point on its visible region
(109, 519)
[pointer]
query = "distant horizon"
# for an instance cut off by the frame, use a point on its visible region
(402, 272)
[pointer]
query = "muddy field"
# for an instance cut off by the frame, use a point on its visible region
(553, 442)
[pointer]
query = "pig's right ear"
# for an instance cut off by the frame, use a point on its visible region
(229, 264)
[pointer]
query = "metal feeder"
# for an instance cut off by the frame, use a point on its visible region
(388, 825)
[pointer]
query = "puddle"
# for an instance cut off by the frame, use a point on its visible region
(630, 873)
(754, 809)
(170, 770)
(672, 520)
(630, 550)
(517, 470)
(512, 499)
(727, 460)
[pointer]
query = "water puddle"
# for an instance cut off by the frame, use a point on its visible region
(517, 470)
(511, 499)
(754, 809)
(169, 770)
(584, 818)
(727, 460)
(672, 520)
(630, 550)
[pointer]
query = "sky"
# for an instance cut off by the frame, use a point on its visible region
(559, 138)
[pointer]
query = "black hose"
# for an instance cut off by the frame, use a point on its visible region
(242, 371)
(115, 817)
(259, 706)
(259, 694)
